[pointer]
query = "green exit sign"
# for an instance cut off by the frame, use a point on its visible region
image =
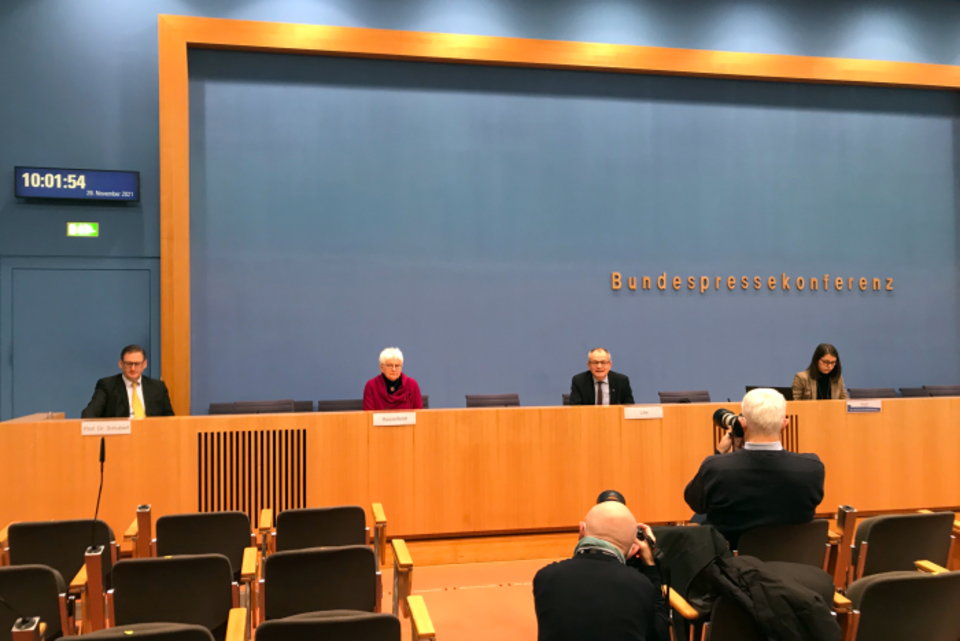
(83, 230)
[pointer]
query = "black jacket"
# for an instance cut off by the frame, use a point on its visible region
(583, 389)
(110, 399)
(750, 488)
(594, 596)
(786, 601)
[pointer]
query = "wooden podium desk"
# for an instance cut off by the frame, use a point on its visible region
(462, 471)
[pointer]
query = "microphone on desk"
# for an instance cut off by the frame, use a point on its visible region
(93, 526)
(22, 622)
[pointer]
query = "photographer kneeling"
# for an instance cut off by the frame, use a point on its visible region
(760, 484)
(595, 595)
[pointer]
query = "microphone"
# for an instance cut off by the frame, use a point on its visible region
(93, 525)
(22, 622)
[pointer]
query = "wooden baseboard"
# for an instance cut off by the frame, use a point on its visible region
(489, 549)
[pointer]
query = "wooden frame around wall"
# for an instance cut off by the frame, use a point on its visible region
(179, 33)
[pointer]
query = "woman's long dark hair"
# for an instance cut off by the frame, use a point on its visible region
(824, 349)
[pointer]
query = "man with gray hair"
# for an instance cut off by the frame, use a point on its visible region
(598, 385)
(761, 484)
(595, 595)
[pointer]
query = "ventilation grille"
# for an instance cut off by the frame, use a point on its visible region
(789, 436)
(250, 471)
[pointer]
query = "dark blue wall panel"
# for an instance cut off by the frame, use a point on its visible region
(472, 216)
(79, 83)
(63, 325)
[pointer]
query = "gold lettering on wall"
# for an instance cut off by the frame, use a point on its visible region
(703, 283)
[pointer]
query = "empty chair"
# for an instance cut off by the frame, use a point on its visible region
(320, 527)
(222, 408)
(729, 622)
(872, 392)
(264, 407)
(806, 543)
(226, 533)
(34, 590)
(351, 405)
(337, 578)
(153, 632)
(893, 543)
(335, 625)
(698, 396)
(943, 390)
(493, 400)
(61, 545)
(908, 392)
(198, 590)
(786, 392)
(906, 605)
(566, 399)
(303, 406)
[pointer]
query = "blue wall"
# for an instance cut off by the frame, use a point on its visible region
(80, 90)
(473, 216)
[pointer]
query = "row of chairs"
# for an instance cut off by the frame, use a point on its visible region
(513, 400)
(899, 590)
(313, 561)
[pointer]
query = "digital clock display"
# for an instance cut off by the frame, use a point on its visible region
(77, 184)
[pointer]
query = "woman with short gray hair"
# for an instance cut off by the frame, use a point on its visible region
(392, 390)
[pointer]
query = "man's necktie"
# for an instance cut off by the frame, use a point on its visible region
(137, 405)
(599, 392)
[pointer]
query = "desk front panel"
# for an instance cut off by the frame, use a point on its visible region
(461, 471)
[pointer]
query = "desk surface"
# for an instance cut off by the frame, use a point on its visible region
(462, 471)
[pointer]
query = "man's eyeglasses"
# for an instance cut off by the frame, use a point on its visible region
(597, 363)
(132, 365)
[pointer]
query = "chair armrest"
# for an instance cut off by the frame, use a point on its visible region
(131, 532)
(379, 516)
(248, 571)
(420, 623)
(266, 520)
(401, 554)
(834, 537)
(841, 603)
(680, 604)
(79, 581)
(4, 546)
(237, 625)
(929, 567)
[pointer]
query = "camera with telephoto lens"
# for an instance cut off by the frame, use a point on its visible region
(728, 420)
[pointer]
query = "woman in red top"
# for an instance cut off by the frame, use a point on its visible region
(392, 390)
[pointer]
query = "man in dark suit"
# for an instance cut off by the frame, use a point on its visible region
(614, 389)
(761, 484)
(595, 595)
(130, 394)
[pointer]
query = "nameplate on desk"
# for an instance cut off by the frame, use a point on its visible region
(104, 428)
(864, 406)
(637, 412)
(395, 418)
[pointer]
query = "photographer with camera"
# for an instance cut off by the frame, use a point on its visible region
(760, 483)
(595, 594)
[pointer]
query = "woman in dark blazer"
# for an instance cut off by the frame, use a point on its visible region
(822, 380)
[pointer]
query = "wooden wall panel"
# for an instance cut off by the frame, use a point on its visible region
(474, 471)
